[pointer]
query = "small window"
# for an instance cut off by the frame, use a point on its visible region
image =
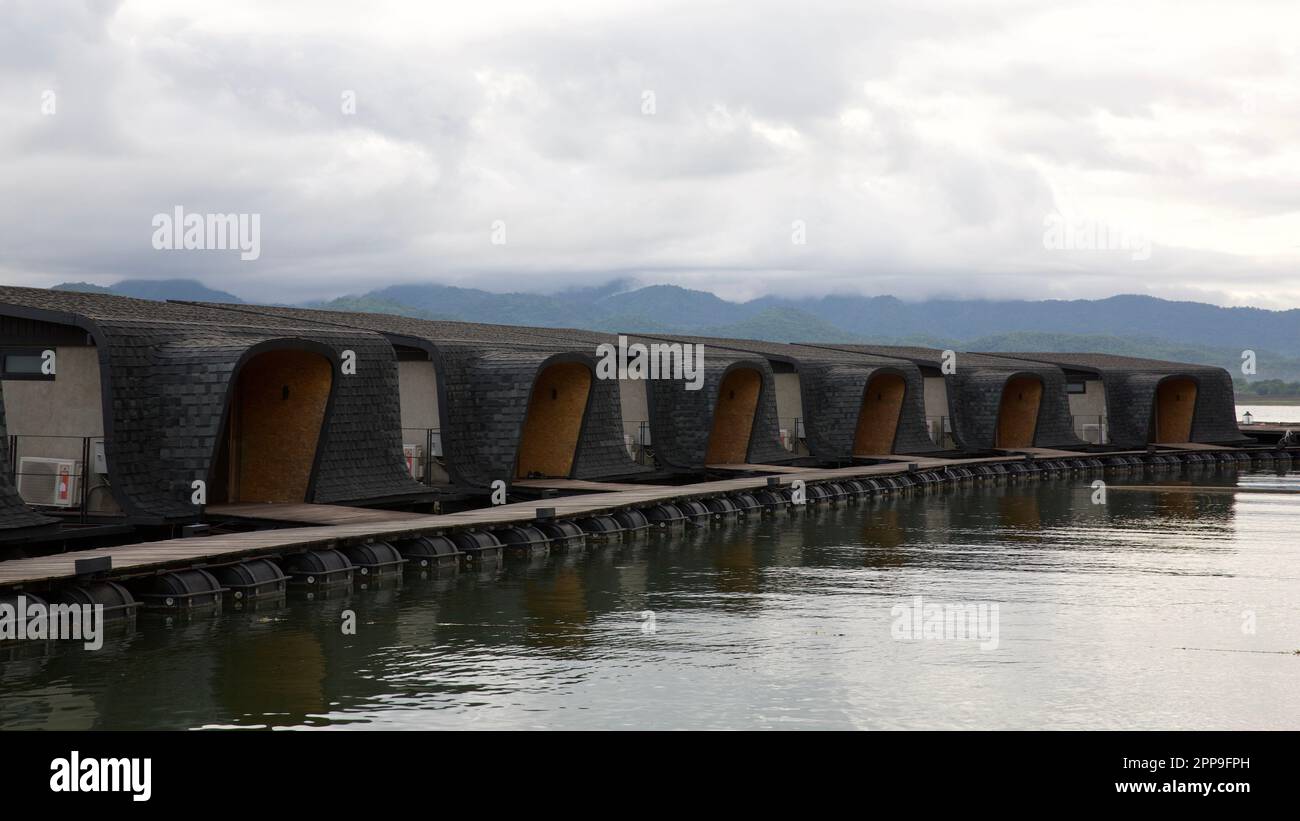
(1076, 386)
(22, 364)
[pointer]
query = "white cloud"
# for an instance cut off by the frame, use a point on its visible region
(922, 143)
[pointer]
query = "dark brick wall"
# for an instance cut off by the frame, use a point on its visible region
(832, 384)
(14, 513)
(167, 369)
(832, 400)
(483, 393)
(485, 375)
(975, 397)
(681, 420)
(1131, 383)
(168, 394)
(975, 393)
(1130, 403)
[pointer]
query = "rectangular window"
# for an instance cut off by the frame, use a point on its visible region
(1076, 386)
(23, 363)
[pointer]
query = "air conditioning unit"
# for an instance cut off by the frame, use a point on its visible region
(412, 455)
(51, 482)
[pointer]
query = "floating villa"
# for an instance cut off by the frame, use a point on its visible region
(1149, 401)
(989, 402)
(141, 399)
(322, 442)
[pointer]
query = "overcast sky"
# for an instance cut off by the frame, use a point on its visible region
(918, 148)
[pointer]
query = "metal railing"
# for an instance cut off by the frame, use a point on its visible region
(939, 429)
(636, 438)
(61, 474)
(422, 450)
(1092, 428)
(792, 434)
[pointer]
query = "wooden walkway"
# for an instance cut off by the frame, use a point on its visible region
(1043, 453)
(307, 514)
(333, 526)
(577, 484)
(744, 468)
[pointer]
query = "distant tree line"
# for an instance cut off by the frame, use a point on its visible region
(1267, 387)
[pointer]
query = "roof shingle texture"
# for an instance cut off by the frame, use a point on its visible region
(1131, 384)
(485, 376)
(832, 386)
(975, 394)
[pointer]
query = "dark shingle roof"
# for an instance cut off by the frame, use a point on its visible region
(110, 308)
(432, 330)
(933, 357)
(784, 351)
(168, 368)
(1101, 362)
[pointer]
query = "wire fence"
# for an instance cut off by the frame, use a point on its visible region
(792, 434)
(1092, 428)
(939, 428)
(636, 438)
(61, 474)
(422, 450)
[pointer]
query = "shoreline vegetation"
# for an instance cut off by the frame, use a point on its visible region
(1251, 399)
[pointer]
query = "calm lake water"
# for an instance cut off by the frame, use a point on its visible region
(1158, 609)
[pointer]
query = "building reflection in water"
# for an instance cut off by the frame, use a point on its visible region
(433, 641)
(556, 609)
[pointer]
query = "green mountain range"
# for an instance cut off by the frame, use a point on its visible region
(1127, 324)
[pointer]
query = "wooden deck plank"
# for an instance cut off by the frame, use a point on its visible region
(1044, 453)
(578, 484)
(308, 513)
(759, 468)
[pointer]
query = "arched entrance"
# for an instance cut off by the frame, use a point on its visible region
(1018, 412)
(882, 406)
(1175, 406)
(733, 417)
(277, 410)
(554, 421)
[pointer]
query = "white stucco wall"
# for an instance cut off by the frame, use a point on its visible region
(418, 395)
(635, 408)
(789, 407)
(936, 396)
(936, 405)
(69, 405)
(632, 398)
(789, 401)
(418, 388)
(51, 417)
(1090, 403)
